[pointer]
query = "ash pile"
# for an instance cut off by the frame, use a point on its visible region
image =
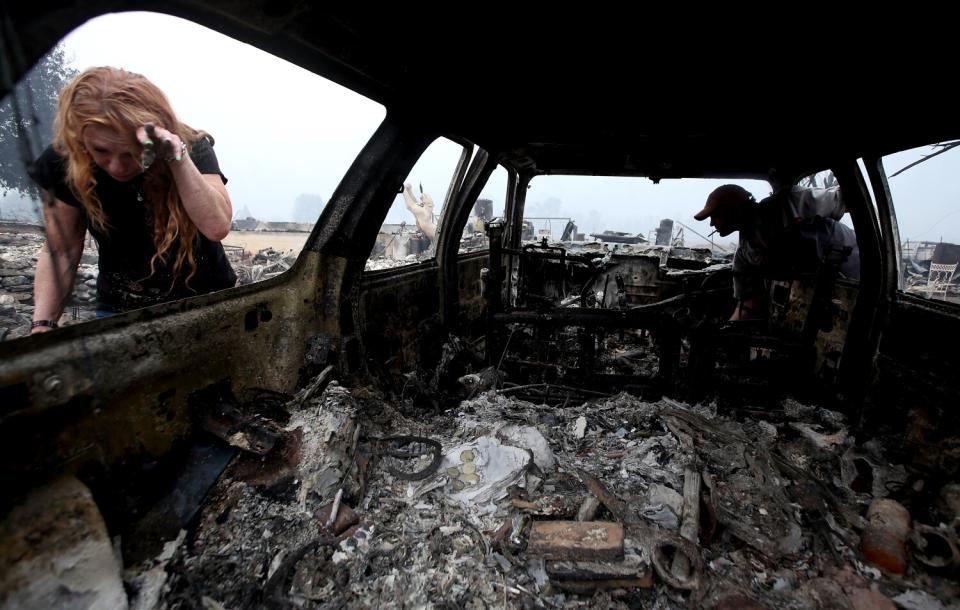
(349, 499)
(19, 248)
(263, 265)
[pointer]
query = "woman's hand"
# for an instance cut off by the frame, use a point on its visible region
(158, 142)
(204, 197)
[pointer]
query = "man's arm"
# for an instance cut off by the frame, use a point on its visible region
(57, 261)
(748, 308)
(748, 286)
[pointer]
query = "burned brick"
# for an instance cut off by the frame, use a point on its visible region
(576, 540)
(598, 570)
(584, 587)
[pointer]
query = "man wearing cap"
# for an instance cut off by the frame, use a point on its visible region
(797, 229)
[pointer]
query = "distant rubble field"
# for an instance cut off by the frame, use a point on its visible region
(255, 241)
(254, 255)
(254, 258)
(19, 247)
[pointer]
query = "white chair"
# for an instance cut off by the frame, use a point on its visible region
(939, 279)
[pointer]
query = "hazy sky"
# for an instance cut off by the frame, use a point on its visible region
(282, 131)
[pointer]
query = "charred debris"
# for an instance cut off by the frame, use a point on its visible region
(607, 440)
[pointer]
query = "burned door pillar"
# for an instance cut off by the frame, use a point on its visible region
(494, 284)
(448, 241)
(890, 231)
(514, 228)
(863, 336)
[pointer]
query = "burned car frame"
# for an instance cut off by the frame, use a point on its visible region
(194, 364)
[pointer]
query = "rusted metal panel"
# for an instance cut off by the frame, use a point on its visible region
(392, 306)
(917, 361)
(395, 309)
(107, 391)
(102, 394)
(471, 293)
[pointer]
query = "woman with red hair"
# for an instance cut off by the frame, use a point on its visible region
(148, 188)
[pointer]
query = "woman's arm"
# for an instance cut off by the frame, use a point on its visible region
(57, 261)
(204, 196)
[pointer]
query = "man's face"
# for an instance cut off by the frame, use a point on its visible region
(725, 220)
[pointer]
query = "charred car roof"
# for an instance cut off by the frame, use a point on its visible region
(610, 94)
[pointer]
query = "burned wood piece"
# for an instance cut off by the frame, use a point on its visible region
(586, 587)
(614, 504)
(588, 509)
(680, 567)
(576, 540)
(747, 490)
(524, 505)
(631, 572)
(813, 507)
(705, 429)
(598, 570)
(846, 512)
(362, 459)
(315, 387)
(690, 527)
(755, 510)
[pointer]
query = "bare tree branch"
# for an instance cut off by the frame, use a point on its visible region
(943, 148)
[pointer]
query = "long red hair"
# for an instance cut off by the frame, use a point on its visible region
(123, 101)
